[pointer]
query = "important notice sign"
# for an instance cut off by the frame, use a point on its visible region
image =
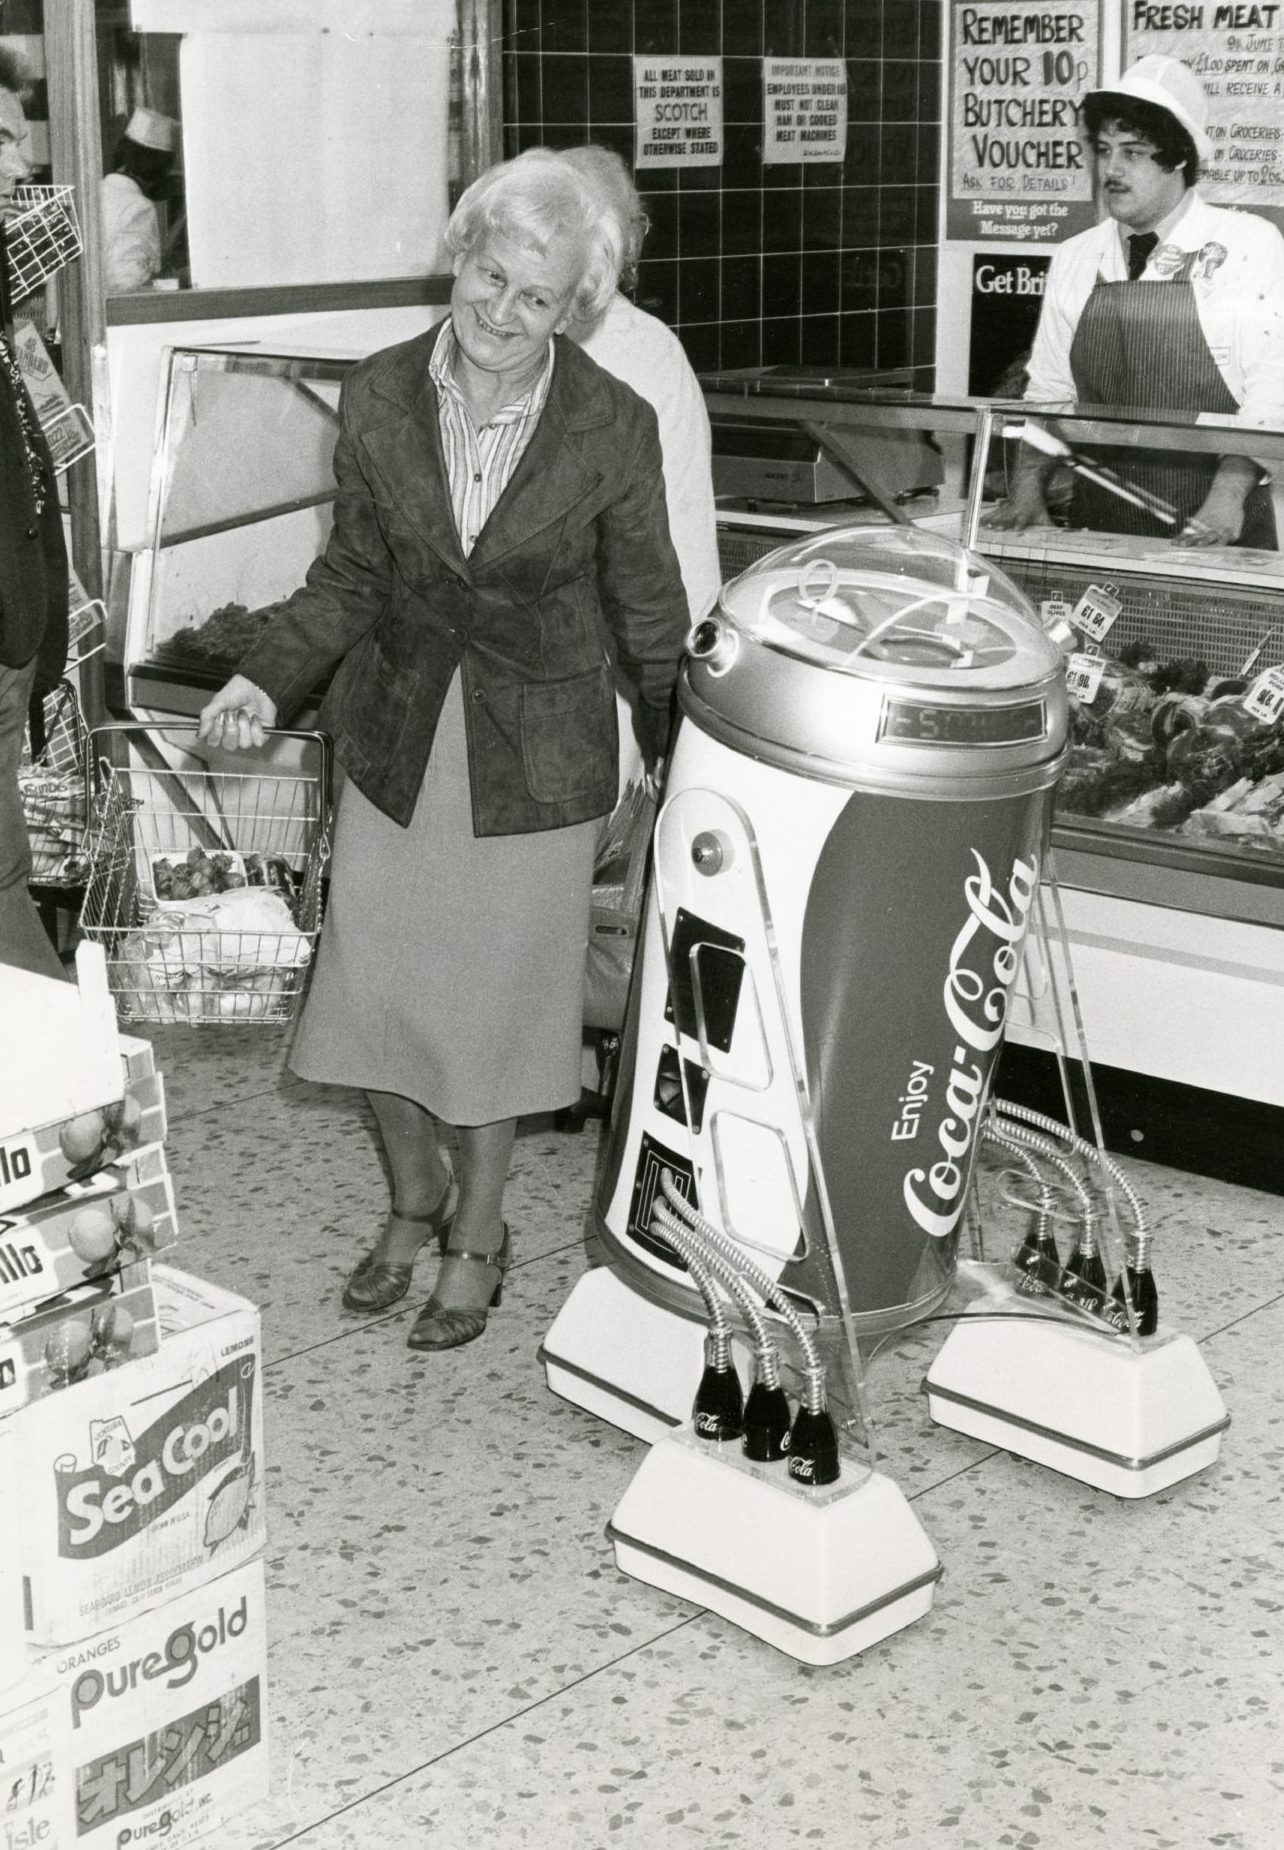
(804, 110)
(678, 112)
(1237, 52)
(1018, 169)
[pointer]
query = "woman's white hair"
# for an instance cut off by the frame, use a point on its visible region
(537, 200)
(607, 176)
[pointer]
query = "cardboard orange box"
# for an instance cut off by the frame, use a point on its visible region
(85, 1332)
(123, 1213)
(35, 1162)
(150, 1732)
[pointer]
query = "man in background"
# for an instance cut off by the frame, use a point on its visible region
(1169, 304)
(141, 165)
(33, 572)
(646, 355)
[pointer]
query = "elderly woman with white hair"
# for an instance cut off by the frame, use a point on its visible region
(499, 541)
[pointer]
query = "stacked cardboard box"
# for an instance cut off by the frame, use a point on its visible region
(132, 1634)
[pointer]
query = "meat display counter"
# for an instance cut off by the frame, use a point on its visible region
(240, 503)
(1169, 829)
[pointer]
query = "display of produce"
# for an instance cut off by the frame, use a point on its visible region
(131, 1441)
(1167, 745)
(221, 640)
(36, 1162)
(74, 1337)
(122, 1213)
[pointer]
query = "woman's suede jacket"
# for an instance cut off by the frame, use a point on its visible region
(574, 567)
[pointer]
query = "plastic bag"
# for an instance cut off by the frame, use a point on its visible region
(615, 912)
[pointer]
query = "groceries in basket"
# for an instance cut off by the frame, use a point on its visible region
(225, 954)
(197, 873)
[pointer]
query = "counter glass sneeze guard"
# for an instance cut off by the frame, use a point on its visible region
(1175, 792)
(240, 503)
(1177, 759)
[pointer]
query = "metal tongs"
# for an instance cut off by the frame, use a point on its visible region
(1098, 474)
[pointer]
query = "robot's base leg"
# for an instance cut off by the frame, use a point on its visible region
(629, 1361)
(1128, 1420)
(820, 1574)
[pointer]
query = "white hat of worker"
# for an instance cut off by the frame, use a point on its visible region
(150, 129)
(1168, 84)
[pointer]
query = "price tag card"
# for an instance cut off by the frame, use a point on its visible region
(1265, 698)
(1056, 610)
(70, 436)
(1083, 676)
(1096, 611)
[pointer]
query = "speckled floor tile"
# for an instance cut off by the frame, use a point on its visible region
(699, 1738)
(280, 1187)
(435, 1541)
(456, 1661)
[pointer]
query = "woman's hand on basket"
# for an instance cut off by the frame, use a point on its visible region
(238, 717)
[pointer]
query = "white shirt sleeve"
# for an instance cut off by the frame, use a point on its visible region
(648, 356)
(1244, 323)
(131, 236)
(645, 354)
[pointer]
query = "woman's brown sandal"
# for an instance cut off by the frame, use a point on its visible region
(375, 1282)
(448, 1326)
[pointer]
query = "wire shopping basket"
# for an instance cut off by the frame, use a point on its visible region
(42, 236)
(204, 886)
(51, 784)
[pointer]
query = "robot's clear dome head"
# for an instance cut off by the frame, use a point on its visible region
(853, 598)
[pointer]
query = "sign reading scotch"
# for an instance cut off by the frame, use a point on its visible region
(677, 105)
(1018, 168)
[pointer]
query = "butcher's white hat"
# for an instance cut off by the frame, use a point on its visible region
(150, 129)
(1168, 84)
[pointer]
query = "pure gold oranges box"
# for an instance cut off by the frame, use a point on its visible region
(160, 1723)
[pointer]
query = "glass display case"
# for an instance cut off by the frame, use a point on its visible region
(240, 503)
(1177, 682)
(1168, 835)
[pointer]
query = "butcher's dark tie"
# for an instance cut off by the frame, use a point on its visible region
(1140, 245)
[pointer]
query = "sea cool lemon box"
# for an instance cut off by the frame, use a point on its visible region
(161, 1723)
(146, 1480)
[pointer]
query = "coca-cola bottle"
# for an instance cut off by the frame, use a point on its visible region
(1141, 1285)
(1085, 1268)
(1037, 1260)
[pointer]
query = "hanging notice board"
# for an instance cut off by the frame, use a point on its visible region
(1018, 170)
(1237, 52)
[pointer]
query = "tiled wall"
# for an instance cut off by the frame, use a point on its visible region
(820, 264)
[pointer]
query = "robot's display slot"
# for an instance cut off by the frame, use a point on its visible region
(719, 958)
(668, 1088)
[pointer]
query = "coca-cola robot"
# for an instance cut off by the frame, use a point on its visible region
(848, 855)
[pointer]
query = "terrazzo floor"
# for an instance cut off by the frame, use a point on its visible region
(455, 1660)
